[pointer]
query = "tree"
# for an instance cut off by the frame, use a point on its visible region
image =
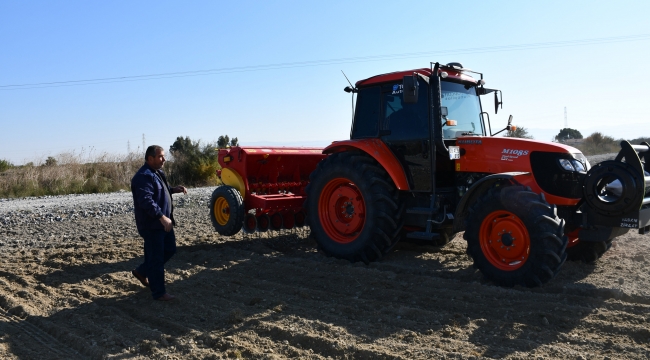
(223, 141)
(568, 133)
(183, 146)
(50, 161)
(193, 163)
(519, 132)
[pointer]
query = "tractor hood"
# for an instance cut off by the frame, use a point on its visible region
(555, 169)
(502, 154)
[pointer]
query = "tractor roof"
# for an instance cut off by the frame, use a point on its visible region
(399, 75)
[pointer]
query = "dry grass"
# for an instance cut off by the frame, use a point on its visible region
(72, 174)
(81, 173)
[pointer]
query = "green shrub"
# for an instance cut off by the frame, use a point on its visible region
(598, 143)
(5, 165)
(193, 163)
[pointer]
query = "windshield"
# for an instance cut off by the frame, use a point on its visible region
(463, 105)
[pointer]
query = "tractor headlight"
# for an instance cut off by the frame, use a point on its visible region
(574, 165)
(566, 165)
(578, 165)
(583, 161)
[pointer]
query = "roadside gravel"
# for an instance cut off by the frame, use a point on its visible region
(48, 209)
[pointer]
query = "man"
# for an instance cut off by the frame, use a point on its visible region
(154, 217)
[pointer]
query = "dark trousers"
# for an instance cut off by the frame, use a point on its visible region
(159, 247)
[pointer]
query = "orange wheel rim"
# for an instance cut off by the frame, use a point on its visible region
(341, 210)
(221, 211)
(504, 240)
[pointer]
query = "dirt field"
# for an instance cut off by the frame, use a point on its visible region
(66, 292)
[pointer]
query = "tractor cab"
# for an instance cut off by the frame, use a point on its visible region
(418, 115)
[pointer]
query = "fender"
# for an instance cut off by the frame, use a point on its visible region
(479, 188)
(380, 152)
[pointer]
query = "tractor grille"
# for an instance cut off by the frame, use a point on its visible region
(552, 178)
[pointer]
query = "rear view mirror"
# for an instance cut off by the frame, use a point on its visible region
(444, 111)
(410, 83)
(498, 101)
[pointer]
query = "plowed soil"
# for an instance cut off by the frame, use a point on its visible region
(66, 292)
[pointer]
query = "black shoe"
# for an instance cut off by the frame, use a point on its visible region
(139, 276)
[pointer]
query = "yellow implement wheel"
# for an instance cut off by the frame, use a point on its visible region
(221, 211)
(226, 210)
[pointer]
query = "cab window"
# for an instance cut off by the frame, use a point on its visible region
(366, 114)
(404, 121)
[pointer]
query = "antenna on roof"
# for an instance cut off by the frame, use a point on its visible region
(350, 89)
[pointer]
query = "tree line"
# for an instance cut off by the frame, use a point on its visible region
(596, 143)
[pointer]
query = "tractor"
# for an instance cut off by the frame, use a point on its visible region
(422, 163)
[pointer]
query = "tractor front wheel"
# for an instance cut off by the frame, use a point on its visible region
(515, 237)
(226, 210)
(352, 207)
(588, 251)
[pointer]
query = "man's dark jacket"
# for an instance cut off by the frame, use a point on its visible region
(149, 200)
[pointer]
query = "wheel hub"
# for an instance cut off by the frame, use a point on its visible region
(507, 239)
(221, 211)
(504, 240)
(342, 210)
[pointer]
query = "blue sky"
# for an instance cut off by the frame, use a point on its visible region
(602, 84)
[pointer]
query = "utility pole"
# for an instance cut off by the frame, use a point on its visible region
(143, 143)
(566, 122)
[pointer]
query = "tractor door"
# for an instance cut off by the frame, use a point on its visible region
(405, 129)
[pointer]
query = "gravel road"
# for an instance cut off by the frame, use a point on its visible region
(66, 292)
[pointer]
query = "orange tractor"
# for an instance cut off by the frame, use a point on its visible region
(423, 163)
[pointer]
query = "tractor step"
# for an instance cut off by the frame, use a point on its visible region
(421, 211)
(422, 235)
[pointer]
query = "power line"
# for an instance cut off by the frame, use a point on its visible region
(264, 67)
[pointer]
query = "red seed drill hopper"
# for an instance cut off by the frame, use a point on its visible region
(264, 188)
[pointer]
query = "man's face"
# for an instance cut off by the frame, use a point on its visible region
(157, 162)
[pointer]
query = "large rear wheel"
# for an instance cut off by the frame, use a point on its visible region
(226, 210)
(352, 207)
(515, 237)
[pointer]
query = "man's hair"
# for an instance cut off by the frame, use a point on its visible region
(151, 151)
